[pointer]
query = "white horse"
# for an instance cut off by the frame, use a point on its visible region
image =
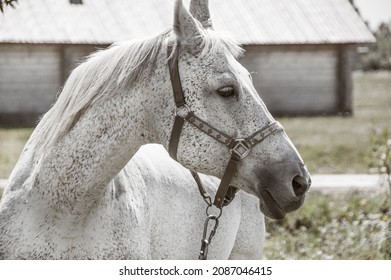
(170, 220)
(72, 194)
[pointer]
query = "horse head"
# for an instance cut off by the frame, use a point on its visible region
(223, 117)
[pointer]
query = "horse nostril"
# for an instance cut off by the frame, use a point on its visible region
(300, 185)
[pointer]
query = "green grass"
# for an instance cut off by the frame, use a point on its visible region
(12, 142)
(353, 226)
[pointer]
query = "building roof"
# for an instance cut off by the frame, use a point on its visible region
(250, 21)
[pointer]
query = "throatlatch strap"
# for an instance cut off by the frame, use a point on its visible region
(201, 189)
(175, 136)
(225, 181)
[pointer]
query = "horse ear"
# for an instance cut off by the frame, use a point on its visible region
(200, 10)
(185, 26)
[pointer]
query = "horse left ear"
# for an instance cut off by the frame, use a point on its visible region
(200, 10)
(185, 25)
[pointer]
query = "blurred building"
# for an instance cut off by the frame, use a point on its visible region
(300, 52)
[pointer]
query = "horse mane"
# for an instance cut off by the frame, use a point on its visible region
(105, 72)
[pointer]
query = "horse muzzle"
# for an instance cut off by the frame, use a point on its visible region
(282, 189)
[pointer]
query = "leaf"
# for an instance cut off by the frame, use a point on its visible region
(7, 3)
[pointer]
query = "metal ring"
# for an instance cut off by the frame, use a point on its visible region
(179, 109)
(215, 217)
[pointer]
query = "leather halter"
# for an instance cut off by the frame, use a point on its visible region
(239, 148)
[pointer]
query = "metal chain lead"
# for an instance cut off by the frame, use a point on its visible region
(206, 240)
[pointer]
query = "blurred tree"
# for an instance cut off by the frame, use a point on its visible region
(383, 36)
(4, 3)
(379, 54)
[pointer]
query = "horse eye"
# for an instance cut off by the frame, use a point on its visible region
(226, 91)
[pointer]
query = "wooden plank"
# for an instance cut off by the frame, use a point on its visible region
(29, 78)
(295, 80)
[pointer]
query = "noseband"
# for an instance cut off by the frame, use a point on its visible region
(239, 148)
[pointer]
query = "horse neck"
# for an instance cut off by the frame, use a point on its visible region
(77, 169)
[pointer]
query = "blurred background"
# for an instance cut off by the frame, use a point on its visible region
(323, 68)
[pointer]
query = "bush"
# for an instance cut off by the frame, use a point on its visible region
(353, 226)
(379, 56)
(380, 153)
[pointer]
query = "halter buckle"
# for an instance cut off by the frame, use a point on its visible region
(241, 148)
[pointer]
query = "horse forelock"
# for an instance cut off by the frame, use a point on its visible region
(212, 42)
(217, 42)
